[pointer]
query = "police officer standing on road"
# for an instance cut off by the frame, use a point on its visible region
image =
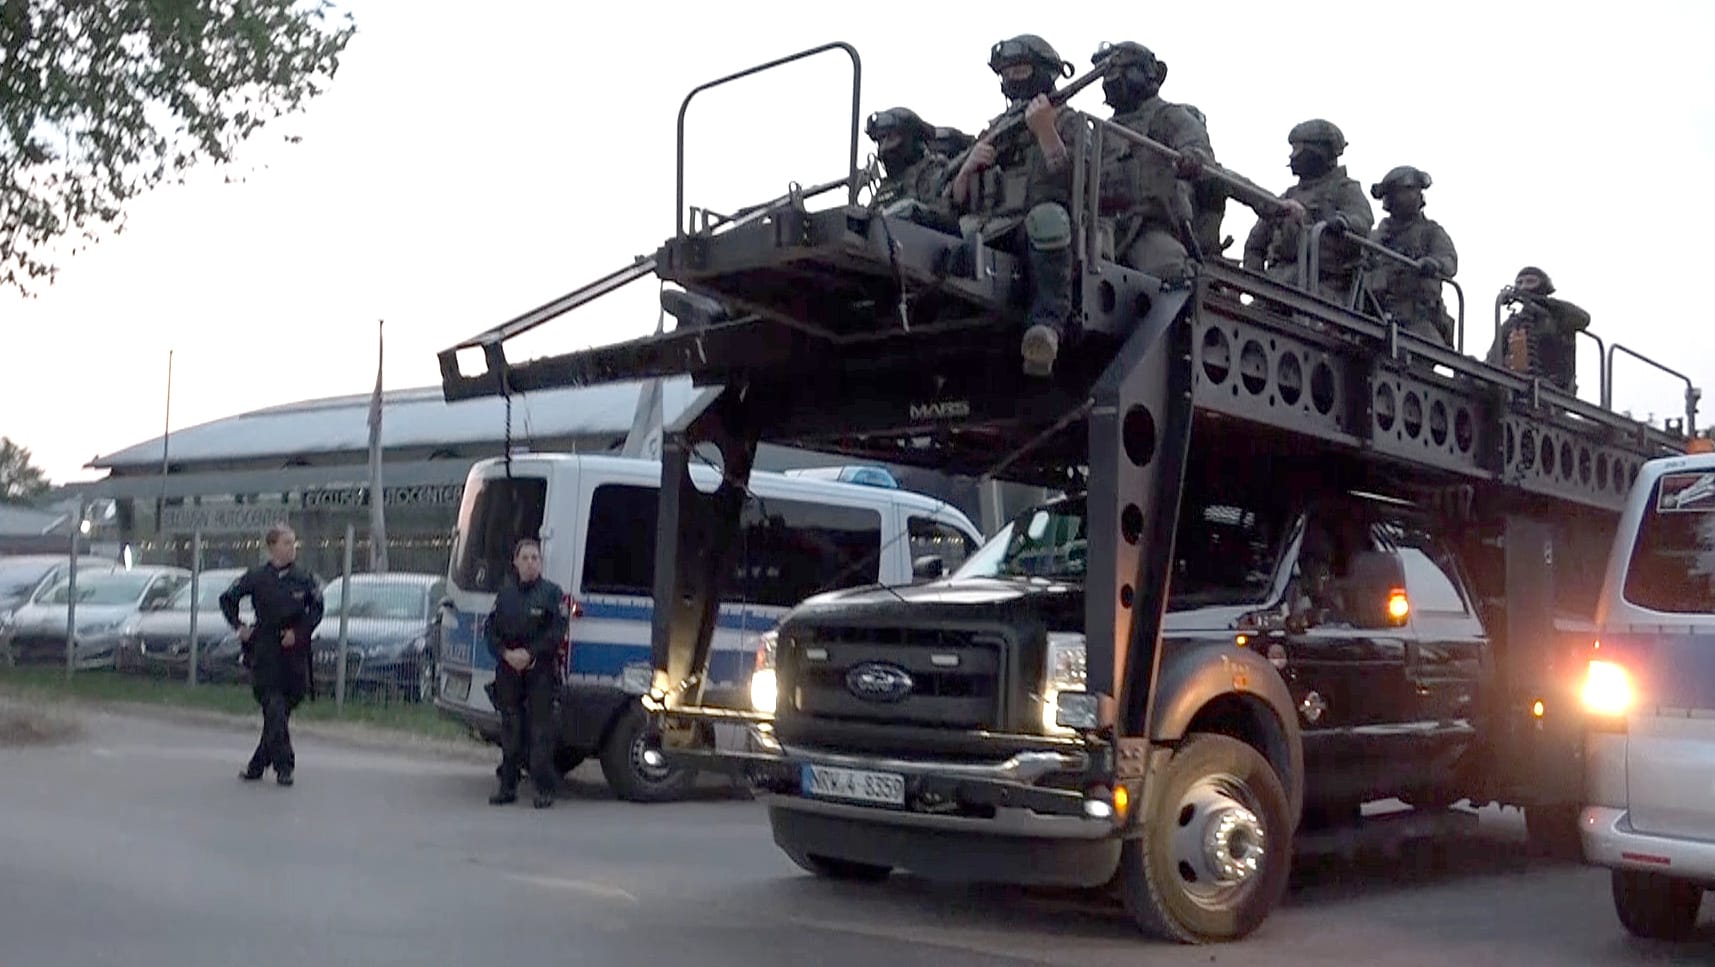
(523, 633)
(287, 600)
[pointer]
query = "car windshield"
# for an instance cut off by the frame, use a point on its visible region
(18, 577)
(210, 587)
(378, 599)
(106, 589)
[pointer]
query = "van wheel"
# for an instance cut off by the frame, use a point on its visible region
(1656, 907)
(627, 774)
(1214, 856)
(566, 759)
(828, 868)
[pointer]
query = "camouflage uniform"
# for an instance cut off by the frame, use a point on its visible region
(1540, 338)
(912, 173)
(1022, 202)
(1326, 193)
(1412, 295)
(1148, 210)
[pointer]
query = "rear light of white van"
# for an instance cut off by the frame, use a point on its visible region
(574, 611)
(1607, 693)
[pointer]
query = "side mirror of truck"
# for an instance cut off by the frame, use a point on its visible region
(929, 567)
(1376, 593)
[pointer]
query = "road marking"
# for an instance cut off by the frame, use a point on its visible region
(579, 886)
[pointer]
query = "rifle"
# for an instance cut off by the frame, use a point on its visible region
(1014, 116)
(1238, 186)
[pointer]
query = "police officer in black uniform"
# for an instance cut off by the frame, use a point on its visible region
(523, 633)
(287, 600)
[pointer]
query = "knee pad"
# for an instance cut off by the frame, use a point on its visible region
(1048, 227)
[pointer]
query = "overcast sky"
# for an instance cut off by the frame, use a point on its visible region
(474, 160)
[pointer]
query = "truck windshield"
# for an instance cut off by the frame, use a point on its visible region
(1048, 542)
(1672, 567)
(1225, 553)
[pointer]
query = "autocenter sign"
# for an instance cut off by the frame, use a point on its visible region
(421, 495)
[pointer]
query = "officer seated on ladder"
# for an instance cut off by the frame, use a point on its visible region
(1016, 189)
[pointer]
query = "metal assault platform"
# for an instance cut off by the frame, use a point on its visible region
(814, 335)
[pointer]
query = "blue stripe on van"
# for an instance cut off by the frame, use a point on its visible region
(1672, 670)
(460, 646)
(608, 659)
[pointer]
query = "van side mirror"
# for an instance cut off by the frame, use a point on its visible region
(1377, 595)
(929, 567)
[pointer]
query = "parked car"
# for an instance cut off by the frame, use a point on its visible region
(35, 633)
(159, 641)
(22, 575)
(387, 634)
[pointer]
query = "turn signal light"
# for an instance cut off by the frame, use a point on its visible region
(1398, 605)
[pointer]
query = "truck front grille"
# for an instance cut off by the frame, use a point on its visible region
(951, 679)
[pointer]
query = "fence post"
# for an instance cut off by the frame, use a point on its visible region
(71, 588)
(196, 599)
(344, 610)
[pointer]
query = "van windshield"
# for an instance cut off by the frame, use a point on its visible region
(1672, 568)
(498, 513)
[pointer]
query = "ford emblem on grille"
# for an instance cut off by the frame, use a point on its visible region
(876, 682)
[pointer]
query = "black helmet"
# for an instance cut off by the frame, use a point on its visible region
(1318, 130)
(1404, 176)
(1125, 53)
(1044, 61)
(1028, 48)
(898, 120)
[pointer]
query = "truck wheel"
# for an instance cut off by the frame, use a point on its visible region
(627, 774)
(1552, 831)
(1656, 907)
(828, 868)
(566, 759)
(1216, 847)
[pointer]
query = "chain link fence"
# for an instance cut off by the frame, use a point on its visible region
(154, 620)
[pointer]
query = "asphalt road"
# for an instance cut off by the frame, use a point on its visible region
(137, 845)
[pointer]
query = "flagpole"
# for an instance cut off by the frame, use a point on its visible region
(377, 509)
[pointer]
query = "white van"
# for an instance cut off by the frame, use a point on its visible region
(1650, 698)
(595, 516)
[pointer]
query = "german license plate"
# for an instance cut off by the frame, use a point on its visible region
(456, 687)
(860, 785)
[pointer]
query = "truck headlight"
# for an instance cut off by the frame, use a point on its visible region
(1064, 672)
(764, 690)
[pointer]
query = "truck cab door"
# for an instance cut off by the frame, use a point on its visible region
(1444, 659)
(1344, 663)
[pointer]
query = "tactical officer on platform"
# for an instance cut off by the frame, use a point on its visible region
(287, 600)
(523, 633)
(1146, 206)
(1411, 294)
(1540, 337)
(912, 170)
(1016, 189)
(1324, 193)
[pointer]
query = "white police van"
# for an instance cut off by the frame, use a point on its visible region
(804, 533)
(1649, 693)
